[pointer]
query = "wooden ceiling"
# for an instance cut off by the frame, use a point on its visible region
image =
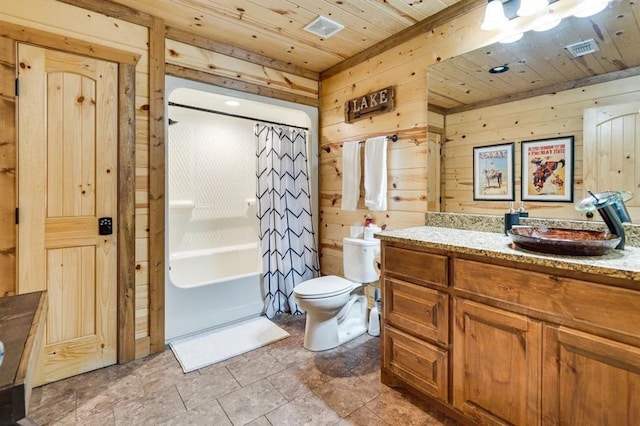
(274, 28)
(539, 63)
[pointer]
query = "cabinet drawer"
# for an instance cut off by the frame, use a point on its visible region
(417, 310)
(418, 363)
(416, 266)
(565, 299)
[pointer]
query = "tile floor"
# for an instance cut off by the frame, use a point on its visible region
(279, 384)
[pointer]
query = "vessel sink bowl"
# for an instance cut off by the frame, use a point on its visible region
(569, 242)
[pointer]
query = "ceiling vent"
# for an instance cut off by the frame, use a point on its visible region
(583, 48)
(323, 27)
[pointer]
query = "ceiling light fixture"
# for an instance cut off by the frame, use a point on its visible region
(531, 7)
(494, 17)
(590, 7)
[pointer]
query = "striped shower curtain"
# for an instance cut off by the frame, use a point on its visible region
(289, 253)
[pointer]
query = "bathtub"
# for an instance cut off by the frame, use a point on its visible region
(212, 287)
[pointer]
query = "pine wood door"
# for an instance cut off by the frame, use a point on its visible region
(496, 365)
(67, 180)
(612, 151)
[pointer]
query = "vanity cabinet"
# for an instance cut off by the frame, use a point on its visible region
(496, 343)
(496, 364)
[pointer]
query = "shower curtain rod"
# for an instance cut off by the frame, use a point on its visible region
(212, 111)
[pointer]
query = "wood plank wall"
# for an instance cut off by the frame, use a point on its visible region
(69, 21)
(199, 63)
(548, 116)
(411, 159)
(410, 194)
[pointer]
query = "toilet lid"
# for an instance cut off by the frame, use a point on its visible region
(330, 285)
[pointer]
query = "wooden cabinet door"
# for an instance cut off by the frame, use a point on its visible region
(496, 365)
(589, 380)
(67, 180)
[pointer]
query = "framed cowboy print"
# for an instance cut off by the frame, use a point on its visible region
(493, 176)
(547, 170)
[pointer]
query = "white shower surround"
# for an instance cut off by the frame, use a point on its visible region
(196, 200)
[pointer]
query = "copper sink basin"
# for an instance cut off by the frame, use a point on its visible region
(569, 242)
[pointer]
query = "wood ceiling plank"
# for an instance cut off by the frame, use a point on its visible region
(461, 8)
(236, 52)
(312, 8)
(275, 44)
(276, 22)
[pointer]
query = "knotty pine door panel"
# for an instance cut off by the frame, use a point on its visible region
(67, 180)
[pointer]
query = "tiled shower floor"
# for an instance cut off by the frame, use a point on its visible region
(279, 384)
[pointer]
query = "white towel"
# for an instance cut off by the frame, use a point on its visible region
(350, 175)
(375, 173)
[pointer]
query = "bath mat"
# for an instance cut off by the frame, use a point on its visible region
(199, 350)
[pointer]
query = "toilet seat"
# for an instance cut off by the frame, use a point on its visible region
(321, 287)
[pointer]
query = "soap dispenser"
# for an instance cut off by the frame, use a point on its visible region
(521, 211)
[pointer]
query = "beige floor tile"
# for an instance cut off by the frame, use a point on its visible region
(298, 380)
(103, 418)
(346, 394)
(212, 384)
(92, 401)
(210, 413)
(305, 410)
(54, 408)
(251, 402)
(260, 421)
(151, 409)
(250, 370)
(335, 362)
(289, 351)
(281, 382)
(362, 417)
(394, 408)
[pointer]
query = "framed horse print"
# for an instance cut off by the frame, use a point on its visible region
(493, 177)
(547, 170)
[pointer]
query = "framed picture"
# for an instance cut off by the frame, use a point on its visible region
(547, 170)
(493, 177)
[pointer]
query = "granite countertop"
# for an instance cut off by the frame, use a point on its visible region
(616, 263)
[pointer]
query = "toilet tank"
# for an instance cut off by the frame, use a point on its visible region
(357, 258)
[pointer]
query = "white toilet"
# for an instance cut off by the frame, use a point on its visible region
(336, 311)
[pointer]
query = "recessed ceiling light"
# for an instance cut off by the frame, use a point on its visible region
(232, 103)
(499, 69)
